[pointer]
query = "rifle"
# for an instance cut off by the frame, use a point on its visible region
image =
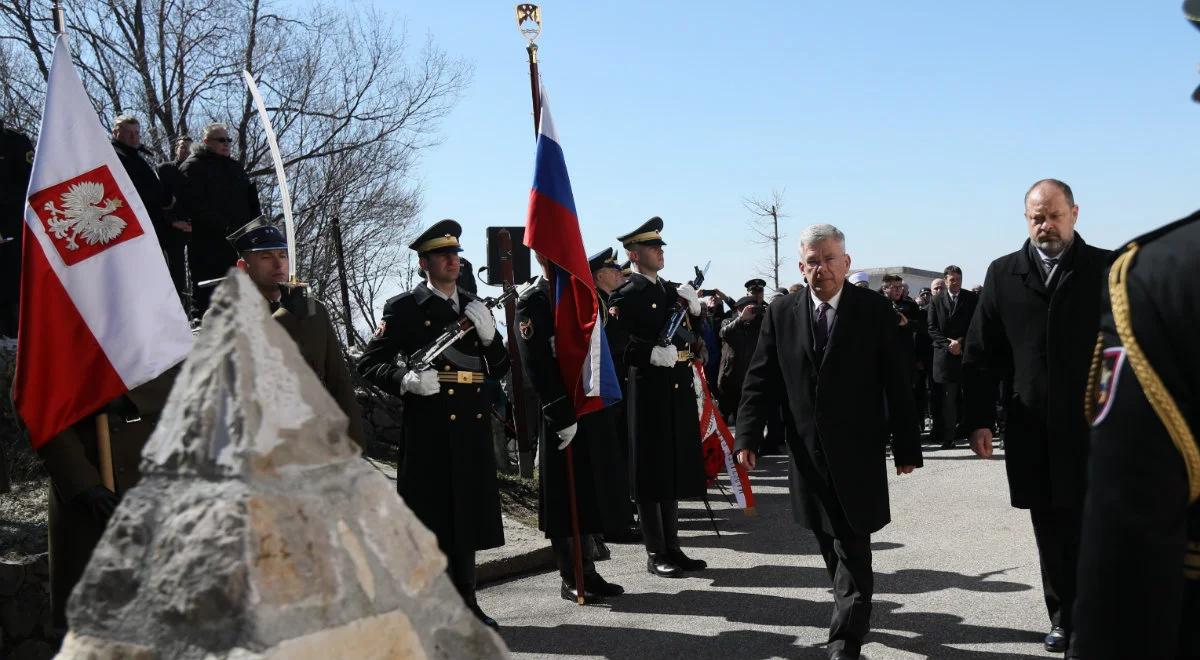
(679, 313)
(423, 359)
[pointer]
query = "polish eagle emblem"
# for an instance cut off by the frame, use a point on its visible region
(85, 214)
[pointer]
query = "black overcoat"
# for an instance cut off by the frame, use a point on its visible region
(664, 422)
(837, 416)
(600, 488)
(738, 341)
(218, 197)
(946, 324)
(1044, 337)
(448, 476)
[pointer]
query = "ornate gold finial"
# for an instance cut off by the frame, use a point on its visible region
(529, 22)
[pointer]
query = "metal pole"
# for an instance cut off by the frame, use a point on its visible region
(60, 21)
(341, 268)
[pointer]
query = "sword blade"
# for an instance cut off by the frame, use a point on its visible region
(284, 195)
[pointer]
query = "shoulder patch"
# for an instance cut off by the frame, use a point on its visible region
(526, 328)
(1105, 388)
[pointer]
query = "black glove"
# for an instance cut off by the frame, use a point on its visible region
(98, 502)
(296, 301)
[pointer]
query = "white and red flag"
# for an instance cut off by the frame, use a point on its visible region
(99, 314)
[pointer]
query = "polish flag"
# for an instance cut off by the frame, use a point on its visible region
(99, 315)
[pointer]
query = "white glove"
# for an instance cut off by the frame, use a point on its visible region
(664, 356)
(481, 318)
(421, 383)
(688, 293)
(566, 435)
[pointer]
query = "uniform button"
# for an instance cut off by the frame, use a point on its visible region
(653, 305)
(676, 385)
(478, 390)
(450, 391)
(446, 368)
(478, 415)
(428, 323)
(453, 417)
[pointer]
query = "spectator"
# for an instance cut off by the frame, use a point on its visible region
(16, 158)
(914, 333)
(217, 197)
(950, 316)
(127, 142)
(860, 279)
(739, 338)
(179, 227)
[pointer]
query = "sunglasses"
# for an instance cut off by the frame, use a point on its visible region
(223, 140)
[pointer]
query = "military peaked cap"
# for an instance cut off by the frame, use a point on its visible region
(257, 235)
(441, 237)
(650, 233)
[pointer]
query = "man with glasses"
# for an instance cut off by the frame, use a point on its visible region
(218, 197)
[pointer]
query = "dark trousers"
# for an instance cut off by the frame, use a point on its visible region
(460, 568)
(948, 414)
(564, 556)
(921, 398)
(1057, 534)
(660, 525)
(848, 560)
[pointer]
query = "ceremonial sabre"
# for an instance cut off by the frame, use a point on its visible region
(285, 197)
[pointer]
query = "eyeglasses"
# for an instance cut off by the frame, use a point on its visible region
(223, 140)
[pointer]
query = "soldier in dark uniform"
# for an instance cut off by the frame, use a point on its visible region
(80, 504)
(593, 447)
(661, 404)
(448, 477)
(16, 163)
(913, 329)
(264, 257)
(1139, 564)
(619, 525)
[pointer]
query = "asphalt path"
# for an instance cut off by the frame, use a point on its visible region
(956, 577)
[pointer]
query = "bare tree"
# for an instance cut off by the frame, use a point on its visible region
(353, 104)
(765, 225)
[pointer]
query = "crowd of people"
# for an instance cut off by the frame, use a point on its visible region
(833, 373)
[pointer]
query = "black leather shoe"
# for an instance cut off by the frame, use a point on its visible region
(843, 650)
(947, 445)
(1057, 641)
(484, 619)
(843, 654)
(568, 592)
(601, 587)
(662, 566)
(686, 563)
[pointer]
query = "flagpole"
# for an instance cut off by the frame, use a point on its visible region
(103, 440)
(529, 24)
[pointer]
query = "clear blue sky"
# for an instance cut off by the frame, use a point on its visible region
(915, 127)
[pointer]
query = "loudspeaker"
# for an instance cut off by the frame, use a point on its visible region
(520, 255)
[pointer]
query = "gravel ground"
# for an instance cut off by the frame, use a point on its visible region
(23, 519)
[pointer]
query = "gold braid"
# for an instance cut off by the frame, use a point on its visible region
(1093, 382)
(1152, 385)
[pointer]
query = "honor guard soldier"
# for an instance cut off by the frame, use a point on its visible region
(593, 441)
(661, 404)
(448, 475)
(263, 256)
(619, 525)
(756, 288)
(1139, 565)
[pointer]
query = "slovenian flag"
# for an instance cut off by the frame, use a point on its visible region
(552, 230)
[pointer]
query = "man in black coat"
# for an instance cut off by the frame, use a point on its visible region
(739, 337)
(448, 477)
(16, 162)
(593, 442)
(664, 424)
(949, 318)
(218, 197)
(830, 354)
(127, 142)
(179, 227)
(1037, 320)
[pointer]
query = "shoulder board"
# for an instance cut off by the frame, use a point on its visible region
(635, 283)
(1156, 233)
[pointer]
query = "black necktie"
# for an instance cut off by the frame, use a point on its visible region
(275, 305)
(821, 329)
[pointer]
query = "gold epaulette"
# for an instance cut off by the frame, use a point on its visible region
(1152, 385)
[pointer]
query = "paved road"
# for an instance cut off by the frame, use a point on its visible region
(956, 577)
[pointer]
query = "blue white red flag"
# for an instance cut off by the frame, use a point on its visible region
(552, 230)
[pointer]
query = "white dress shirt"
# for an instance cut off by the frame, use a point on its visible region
(453, 298)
